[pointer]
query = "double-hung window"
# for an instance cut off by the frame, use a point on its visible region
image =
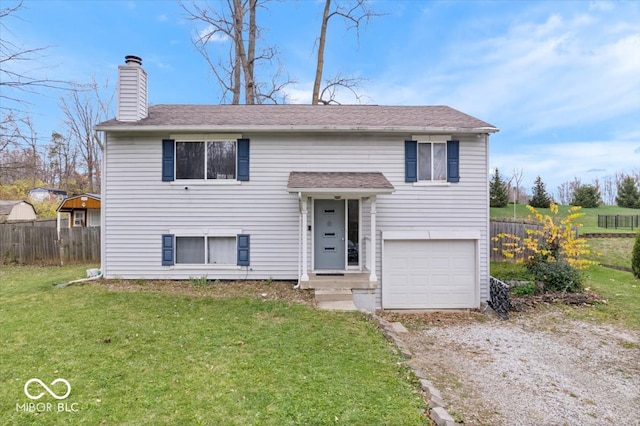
(206, 159)
(432, 161)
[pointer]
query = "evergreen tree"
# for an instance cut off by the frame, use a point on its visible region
(628, 194)
(540, 198)
(635, 257)
(586, 196)
(498, 193)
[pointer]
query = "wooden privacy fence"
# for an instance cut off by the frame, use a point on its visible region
(29, 245)
(517, 229)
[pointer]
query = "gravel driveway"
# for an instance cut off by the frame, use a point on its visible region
(537, 368)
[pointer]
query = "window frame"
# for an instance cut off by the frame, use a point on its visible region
(205, 243)
(432, 165)
(79, 214)
(205, 166)
(169, 247)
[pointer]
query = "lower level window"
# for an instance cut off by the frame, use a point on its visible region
(209, 250)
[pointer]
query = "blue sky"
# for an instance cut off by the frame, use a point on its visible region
(561, 79)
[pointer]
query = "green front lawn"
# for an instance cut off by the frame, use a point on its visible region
(156, 358)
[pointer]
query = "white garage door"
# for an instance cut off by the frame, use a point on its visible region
(426, 274)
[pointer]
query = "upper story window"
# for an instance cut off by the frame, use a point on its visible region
(206, 160)
(432, 161)
(199, 157)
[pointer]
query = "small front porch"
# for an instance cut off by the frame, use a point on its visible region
(338, 232)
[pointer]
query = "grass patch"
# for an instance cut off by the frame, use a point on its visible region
(589, 221)
(622, 292)
(612, 251)
(156, 358)
(510, 271)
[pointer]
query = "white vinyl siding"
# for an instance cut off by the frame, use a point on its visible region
(132, 86)
(137, 215)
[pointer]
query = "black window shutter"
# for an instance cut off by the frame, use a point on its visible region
(243, 249)
(410, 161)
(167, 249)
(243, 159)
(453, 161)
(167, 160)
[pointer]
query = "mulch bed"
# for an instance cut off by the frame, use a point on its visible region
(265, 290)
(524, 303)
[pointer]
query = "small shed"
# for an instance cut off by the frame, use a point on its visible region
(83, 210)
(14, 210)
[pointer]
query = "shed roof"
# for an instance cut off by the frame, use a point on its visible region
(70, 203)
(7, 205)
(291, 117)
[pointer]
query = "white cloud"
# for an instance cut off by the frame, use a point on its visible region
(565, 70)
(210, 36)
(163, 18)
(558, 163)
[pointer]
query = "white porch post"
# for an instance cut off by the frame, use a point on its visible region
(372, 250)
(303, 212)
(58, 224)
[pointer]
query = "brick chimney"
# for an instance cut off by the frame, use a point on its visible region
(132, 90)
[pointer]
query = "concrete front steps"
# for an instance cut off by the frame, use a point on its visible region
(336, 299)
(359, 280)
(335, 290)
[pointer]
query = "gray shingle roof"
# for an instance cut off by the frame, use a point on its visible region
(296, 116)
(338, 180)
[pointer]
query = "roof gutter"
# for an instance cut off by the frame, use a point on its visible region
(291, 128)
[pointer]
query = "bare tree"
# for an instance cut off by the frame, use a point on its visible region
(62, 158)
(14, 78)
(608, 190)
(516, 177)
(355, 13)
(82, 111)
(564, 193)
(235, 70)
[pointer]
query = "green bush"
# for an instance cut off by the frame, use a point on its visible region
(635, 257)
(527, 289)
(557, 276)
(510, 271)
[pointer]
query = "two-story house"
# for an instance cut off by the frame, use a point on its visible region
(389, 203)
